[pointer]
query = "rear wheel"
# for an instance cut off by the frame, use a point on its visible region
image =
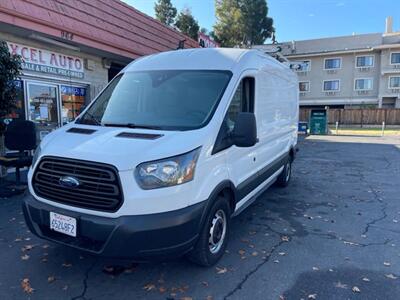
(213, 237)
(284, 178)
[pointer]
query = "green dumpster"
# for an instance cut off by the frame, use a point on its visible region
(318, 121)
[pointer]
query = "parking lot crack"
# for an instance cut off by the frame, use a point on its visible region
(252, 271)
(85, 282)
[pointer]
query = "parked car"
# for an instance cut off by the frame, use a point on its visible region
(173, 147)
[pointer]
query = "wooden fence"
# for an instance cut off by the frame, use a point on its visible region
(351, 116)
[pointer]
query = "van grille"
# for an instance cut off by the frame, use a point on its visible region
(99, 187)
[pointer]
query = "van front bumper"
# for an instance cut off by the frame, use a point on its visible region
(143, 237)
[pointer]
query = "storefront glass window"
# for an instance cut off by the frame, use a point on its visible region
(73, 100)
(43, 107)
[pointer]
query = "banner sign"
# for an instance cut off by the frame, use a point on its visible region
(206, 42)
(72, 90)
(44, 61)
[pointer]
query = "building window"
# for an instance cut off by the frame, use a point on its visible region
(332, 63)
(304, 86)
(394, 82)
(395, 58)
(365, 61)
(331, 85)
(304, 66)
(363, 84)
(73, 100)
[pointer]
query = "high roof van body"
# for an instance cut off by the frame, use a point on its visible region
(172, 148)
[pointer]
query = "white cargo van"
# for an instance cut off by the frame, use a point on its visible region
(170, 150)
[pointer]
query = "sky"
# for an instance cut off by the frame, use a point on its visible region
(303, 19)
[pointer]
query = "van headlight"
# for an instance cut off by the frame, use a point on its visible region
(167, 172)
(36, 155)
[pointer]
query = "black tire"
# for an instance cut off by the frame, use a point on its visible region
(202, 253)
(284, 178)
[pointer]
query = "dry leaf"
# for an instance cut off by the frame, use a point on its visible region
(242, 252)
(205, 283)
(27, 248)
(18, 240)
(25, 257)
(387, 264)
(355, 289)
(282, 253)
(51, 279)
(255, 253)
(67, 265)
(366, 279)
(148, 287)
(315, 269)
(162, 289)
(252, 232)
(341, 285)
(44, 259)
(26, 286)
(285, 238)
(276, 261)
(312, 296)
(45, 246)
(391, 276)
(221, 270)
(65, 287)
(186, 298)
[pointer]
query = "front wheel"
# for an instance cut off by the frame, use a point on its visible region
(284, 178)
(213, 237)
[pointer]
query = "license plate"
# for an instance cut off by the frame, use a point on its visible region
(63, 224)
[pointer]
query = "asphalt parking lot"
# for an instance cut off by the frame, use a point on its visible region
(334, 233)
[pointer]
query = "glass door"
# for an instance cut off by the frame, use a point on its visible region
(43, 107)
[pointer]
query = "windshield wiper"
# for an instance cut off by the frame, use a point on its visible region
(131, 125)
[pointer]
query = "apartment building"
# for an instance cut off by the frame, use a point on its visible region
(361, 70)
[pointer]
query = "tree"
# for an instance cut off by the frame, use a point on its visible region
(242, 22)
(10, 70)
(187, 24)
(165, 12)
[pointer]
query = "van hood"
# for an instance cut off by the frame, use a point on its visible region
(123, 148)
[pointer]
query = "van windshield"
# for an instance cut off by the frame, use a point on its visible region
(166, 100)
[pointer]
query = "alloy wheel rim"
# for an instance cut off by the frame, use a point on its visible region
(217, 231)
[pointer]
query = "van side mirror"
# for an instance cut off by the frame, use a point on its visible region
(245, 131)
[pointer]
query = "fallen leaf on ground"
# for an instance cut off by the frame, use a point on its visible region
(387, 264)
(186, 298)
(276, 261)
(67, 265)
(315, 269)
(391, 276)
(26, 286)
(148, 287)
(27, 248)
(242, 252)
(282, 253)
(255, 253)
(162, 289)
(312, 296)
(51, 279)
(18, 240)
(221, 270)
(355, 289)
(341, 285)
(45, 246)
(285, 238)
(252, 232)
(25, 257)
(366, 279)
(205, 283)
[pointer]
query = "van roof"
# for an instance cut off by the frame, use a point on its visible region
(201, 59)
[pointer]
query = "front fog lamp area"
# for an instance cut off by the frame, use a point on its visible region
(167, 172)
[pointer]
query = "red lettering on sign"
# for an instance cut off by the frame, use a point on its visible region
(53, 60)
(14, 49)
(62, 60)
(41, 57)
(33, 55)
(78, 64)
(70, 61)
(24, 53)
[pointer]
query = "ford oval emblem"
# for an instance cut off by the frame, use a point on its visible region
(69, 181)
